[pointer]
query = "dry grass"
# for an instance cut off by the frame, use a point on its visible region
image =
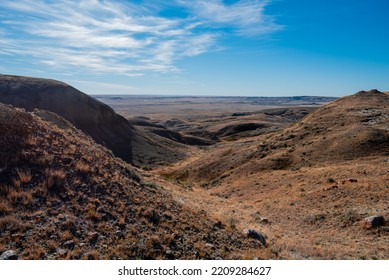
(19, 197)
(83, 167)
(66, 235)
(93, 196)
(24, 176)
(55, 180)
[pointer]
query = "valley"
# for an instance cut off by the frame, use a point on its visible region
(306, 176)
(123, 177)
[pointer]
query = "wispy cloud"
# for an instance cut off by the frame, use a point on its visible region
(120, 37)
(246, 17)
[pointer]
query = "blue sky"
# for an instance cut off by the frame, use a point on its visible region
(197, 47)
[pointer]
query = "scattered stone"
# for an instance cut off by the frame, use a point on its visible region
(119, 234)
(384, 229)
(252, 233)
(264, 221)
(93, 236)
(373, 222)
(170, 255)
(62, 252)
(69, 244)
(9, 255)
(219, 225)
(334, 187)
(352, 180)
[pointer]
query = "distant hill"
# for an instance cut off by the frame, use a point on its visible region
(310, 186)
(291, 100)
(352, 127)
(86, 113)
(65, 197)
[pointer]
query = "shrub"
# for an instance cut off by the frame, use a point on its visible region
(330, 180)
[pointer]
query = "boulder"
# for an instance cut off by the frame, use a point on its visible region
(9, 255)
(373, 222)
(252, 233)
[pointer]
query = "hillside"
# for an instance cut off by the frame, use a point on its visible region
(87, 114)
(352, 127)
(65, 197)
(308, 186)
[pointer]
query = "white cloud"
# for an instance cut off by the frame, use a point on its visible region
(106, 36)
(245, 16)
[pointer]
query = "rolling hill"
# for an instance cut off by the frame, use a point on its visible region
(309, 186)
(65, 197)
(87, 114)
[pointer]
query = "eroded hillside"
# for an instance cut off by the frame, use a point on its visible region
(89, 115)
(308, 186)
(65, 197)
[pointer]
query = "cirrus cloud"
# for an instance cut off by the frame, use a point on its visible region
(121, 37)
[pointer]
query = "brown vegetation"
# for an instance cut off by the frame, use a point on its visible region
(65, 197)
(305, 178)
(314, 181)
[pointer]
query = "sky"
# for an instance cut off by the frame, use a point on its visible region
(198, 47)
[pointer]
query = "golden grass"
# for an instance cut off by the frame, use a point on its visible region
(24, 175)
(55, 179)
(83, 167)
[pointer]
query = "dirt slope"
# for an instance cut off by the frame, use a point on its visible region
(86, 113)
(350, 128)
(65, 197)
(308, 187)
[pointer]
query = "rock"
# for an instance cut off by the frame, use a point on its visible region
(252, 233)
(69, 244)
(9, 255)
(264, 221)
(92, 237)
(373, 222)
(219, 225)
(62, 253)
(351, 180)
(334, 187)
(170, 254)
(119, 234)
(384, 229)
